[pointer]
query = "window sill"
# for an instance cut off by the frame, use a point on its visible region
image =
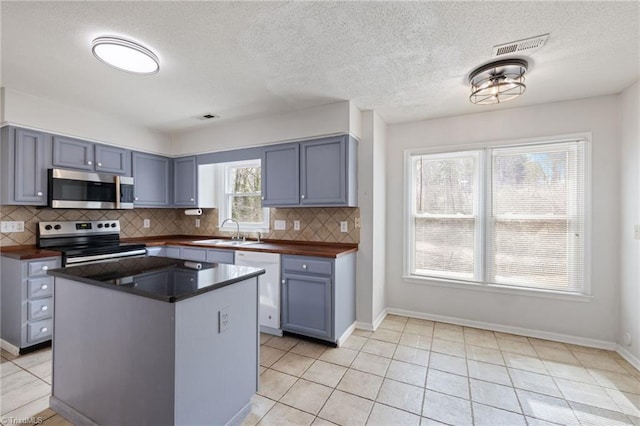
(496, 288)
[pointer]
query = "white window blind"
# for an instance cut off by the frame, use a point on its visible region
(510, 216)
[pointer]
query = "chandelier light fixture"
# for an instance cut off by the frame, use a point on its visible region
(125, 55)
(498, 81)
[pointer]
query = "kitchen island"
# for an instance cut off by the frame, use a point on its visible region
(155, 340)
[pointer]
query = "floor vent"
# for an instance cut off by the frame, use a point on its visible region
(524, 46)
(207, 116)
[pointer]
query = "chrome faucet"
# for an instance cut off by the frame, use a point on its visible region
(237, 236)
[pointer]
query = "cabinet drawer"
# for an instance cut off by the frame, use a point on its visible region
(39, 309)
(194, 254)
(221, 256)
(42, 266)
(40, 287)
(39, 330)
(173, 252)
(156, 251)
(306, 265)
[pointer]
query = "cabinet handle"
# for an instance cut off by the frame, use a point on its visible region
(39, 194)
(44, 330)
(99, 164)
(45, 268)
(302, 196)
(284, 281)
(190, 199)
(44, 308)
(304, 266)
(136, 198)
(44, 287)
(262, 198)
(89, 162)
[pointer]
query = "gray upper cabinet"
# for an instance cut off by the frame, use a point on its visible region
(84, 155)
(185, 182)
(281, 175)
(110, 159)
(26, 155)
(153, 178)
(314, 173)
(73, 153)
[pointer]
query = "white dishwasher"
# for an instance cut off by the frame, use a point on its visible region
(269, 283)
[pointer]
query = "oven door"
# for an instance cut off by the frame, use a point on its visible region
(74, 189)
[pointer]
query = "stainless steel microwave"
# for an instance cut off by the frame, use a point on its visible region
(71, 189)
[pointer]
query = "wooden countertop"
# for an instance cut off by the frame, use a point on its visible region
(302, 248)
(27, 252)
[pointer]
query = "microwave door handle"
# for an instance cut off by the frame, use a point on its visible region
(117, 182)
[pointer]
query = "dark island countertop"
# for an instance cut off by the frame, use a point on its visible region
(161, 278)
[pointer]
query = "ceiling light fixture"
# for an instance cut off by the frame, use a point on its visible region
(125, 55)
(498, 81)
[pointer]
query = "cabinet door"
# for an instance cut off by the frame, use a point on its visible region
(114, 160)
(185, 181)
(32, 155)
(151, 180)
(281, 175)
(306, 305)
(72, 153)
(323, 172)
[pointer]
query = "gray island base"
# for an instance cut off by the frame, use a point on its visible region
(120, 358)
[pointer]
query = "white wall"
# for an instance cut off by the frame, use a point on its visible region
(596, 319)
(307, 123)
(31, 111)
(630, 216)
(370, 288)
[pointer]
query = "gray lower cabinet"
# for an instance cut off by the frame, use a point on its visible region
(185, 182)
(194, 254)
(318, 295)
(84, 155)
(315, 173)
(25, 156)
(27, 300)
(153, 178)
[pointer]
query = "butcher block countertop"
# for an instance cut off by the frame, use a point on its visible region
(302, 248)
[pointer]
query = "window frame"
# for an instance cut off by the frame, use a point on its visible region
(224, 198)
(482, 240)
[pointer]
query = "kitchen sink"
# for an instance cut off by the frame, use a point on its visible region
(217, 242)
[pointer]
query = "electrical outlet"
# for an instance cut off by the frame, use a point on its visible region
(357, 222)
(636, 232)
(279, 225)
(296, 225)
(12, 226)
(146, 223)
(344, 226)
(197, 223)
(224, 319)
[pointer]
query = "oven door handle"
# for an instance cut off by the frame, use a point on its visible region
(105, 257)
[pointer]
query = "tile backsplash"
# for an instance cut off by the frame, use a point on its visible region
(316, 224)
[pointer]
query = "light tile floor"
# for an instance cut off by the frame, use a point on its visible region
(409, 371)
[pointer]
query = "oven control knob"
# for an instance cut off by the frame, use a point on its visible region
(113, 225)
(48, 227)
(99, 225)
(57, 227)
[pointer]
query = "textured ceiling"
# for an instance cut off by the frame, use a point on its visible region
(406, 60)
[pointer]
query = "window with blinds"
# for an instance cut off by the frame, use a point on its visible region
(510, 216)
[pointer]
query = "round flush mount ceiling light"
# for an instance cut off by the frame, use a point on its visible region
(498, 81)
(125, 55)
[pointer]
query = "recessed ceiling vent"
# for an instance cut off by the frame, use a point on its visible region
(526, 46)
(207, 116)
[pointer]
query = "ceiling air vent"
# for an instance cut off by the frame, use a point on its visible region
(524, 46)
(207, 116)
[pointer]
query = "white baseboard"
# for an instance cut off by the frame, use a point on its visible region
(367, 326)
(628, 356)
(13, 350)
(346, 334)
(558, 337)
